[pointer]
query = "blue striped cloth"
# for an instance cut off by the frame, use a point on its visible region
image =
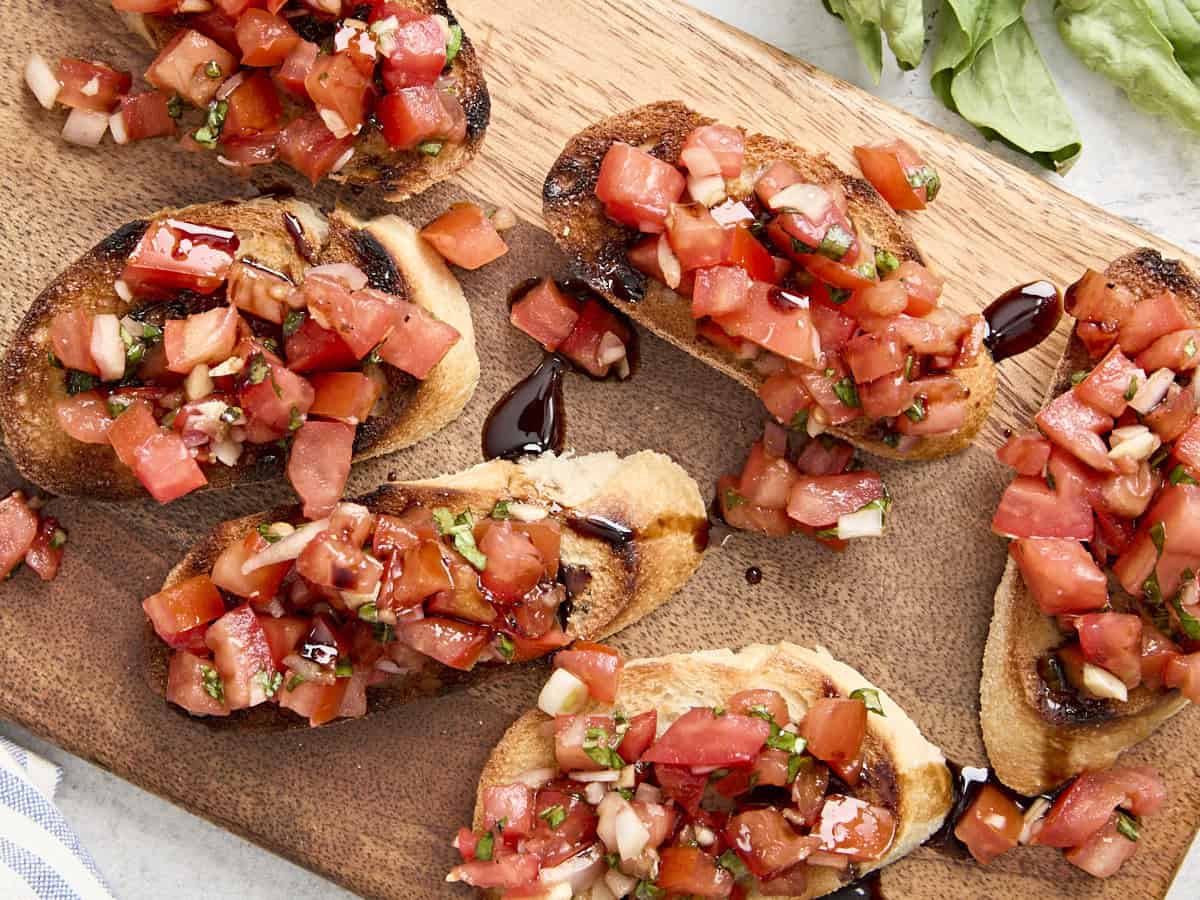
(40, 856)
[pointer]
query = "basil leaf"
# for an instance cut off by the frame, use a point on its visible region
(553, 815)
(870, 699)
(506, 646)
(730, 861)
(733, 498)
(1179, 475)
(484, 847)
(1127, 825)
(901, 21)
(211, 681)
(867, 36)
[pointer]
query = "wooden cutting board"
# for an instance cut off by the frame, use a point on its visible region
(373, 804)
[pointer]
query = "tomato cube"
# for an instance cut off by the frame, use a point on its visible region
(264, 38)
(454, 644)
(191, 682)
(186, 605)
(319, 465)
(596, 665)
(1061, 575)
(419, 340)
(18, 530)
(259, 586)
(320, 703)
(685, 870)
(184, 64)
(511, 807)
(700, 738)
(1112, 383)
(697, 239)
(1028, 453)
(767, 843)
(819, 501)
(991, 825)
(207, 337)
(84, 417)
(254, 107)
(243, 657)
(834, 728)
(413, 116)
(1149, 320)
(773, 321)
(292, 74)
(415, 54)
(165, 468)
(872, 356)
(341, 93)
(175, 255)
(851, 827)
(312, 348)
(345, 396)
(308, 146)
(720, 290)
(714, 150)
(146, 115)
(465, 236)
(1113, 641)
(638, 189)
(414, 574)
(1077, 427)
(89, 85)
(546, 314)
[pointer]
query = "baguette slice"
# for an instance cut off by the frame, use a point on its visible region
(647, 492)
(400, 174)
(901, 770)
(1032, 747)
(388, 249)
(597, 247)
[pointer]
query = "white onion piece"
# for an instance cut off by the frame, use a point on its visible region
(198, 383)
(287, 548)
(537, 778)
(1103, 684)
(231, 84)
(526, 512)
(231, 366)
(606, 822)
(335, 123)
(600, 891)
(1032, 817)
(386, 665)
(864, 523)
(42, 81)
(668, 262)
(107, 348)
(708, 190)
(732, 213)
(1139, 443)
(699, 160)
(562, 694)
(308, 670)
(610, 350)
(1152, 391)
(603, 776)
(195, 6)
(705, 836)
(810, 200)
(354, 277)
(85, 127)
(619, 883)
(116, 124)
(343, 160)
(632, 835)
(647, 793)
(594, 793)
(227, 452)
(579, 871)
(122, 290)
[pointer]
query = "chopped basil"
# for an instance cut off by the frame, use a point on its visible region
(1050, 482)
(78, 382)
(53, 360)
(1152, 591)
(626, 793)
(730, 861)
(553, 815)
(761, 712)
(847, 392)
(827, 533)
(757, 228)
(1179, 475)
(169, 419)
(799, 421)
(294, 682)
(455, 43)
(213, 686)
(1127, 825)
(151, 334)
(784, 740)
(500, 510)
(883, 504)
(596, 746)
(916, 412)
(461, 528)
(839, 295)
(836, 242)
(733, 498)
(175, 106)
(271, 344)
(798, 246)
(369, 612)
(295, 420)
(507, 648)
(58, 538)
(209, 133)
(344, 668)
(1189, 623)
(264, 529)
(796, 762)
(383, 632)
(892, 439)
(870, 699)
(117, 405)
(258, 370)
(647, 891)
(1078, 375)
(908, 366)
(483, 847)
(269, 683)
(233, 414)
(886, 261)
(1158, 536)
(135, 353)
(925, 177)
(431, 148)
(212, 69)
(1131, 391)
(293, 320)
(613, 860)
(866, 269)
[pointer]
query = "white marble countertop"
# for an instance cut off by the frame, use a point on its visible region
(1135, 165)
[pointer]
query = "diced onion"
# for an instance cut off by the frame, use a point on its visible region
(42, 81)
(619, 883)
(732, 214)
(1103, 684)
(628, 777)
(864, 523)
(1033, 815)
(1133, 442)
(335, 123)
(198, 383)
(594, 793)
(579, 871)
(231, 84)
(536, 778)
(85, 127)
(526, 512)
(107, 348)
(647, 793)
(632, 834)
(286, 549)
(309, 670)
(604, 775)
(1152, 391)
(123, 290)
(610, 350)
(563, 694)
(706, 189)
(705, 836)
(810, 200)
(195, 6)
(116, 124)
(227, 451)
(600, 891)
(669, 263)
(92, 87)
(231, 366)
(342, 160)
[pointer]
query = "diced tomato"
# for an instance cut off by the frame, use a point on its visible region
(464, 600)
(292, 74)
(570, 733)
(1030, 509)
(697, 239)
(1149, 320)
(784, 396)
(1178, 351)
(872, 356)
(43, 557)
(260, 585)
(416, 54)
(1110, 385)
(782, 326)
(1187, 447)
(888, 396)
(402, 532)
(510, 806)
(836, 274)
(186, 685)
(574, 833)
(1061, 575)
(719, 291)
(834, 728)
(700, 738)
(546, 314)
(207, 337)
(165, 468)
(254, 107)
(767, 843)
(283, 635)
(638, 189)
(1102, 854)
(512, 870)
(1173, 414)
(687, 870)
(320, 703)
(308, 146)
(242, 657)
(455, 644)
(1084, 807)
(18, 531)
(1157, 652)
(259, 291)
(596, 665)
(714, 150)
(1095, 299)
(940, 417)
(991, 825)
(1028, 453)
(145, 115)
(345, 396)
(332, 562)
(819, 501)
(363, 318)
(276, 403)
(319, 464)
(1113, 641)
(412, 116)
(183, 64)
(313, 348)
(1183, 672)
(822, 387)
(418, 341)
(413, 575)
(638, 737)
(465, 236)
(514, 565)
(265, 39)
(680, 784)
(1178, 510)
(175, 255)
(341, 92)
(893, 167)
(854, 828)
(84, 417)
(90, 85)
(130, 430)
(71, 339)
(746, 252)
(777, 177)
(766, 481)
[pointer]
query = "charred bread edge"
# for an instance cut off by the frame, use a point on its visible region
(388, 249)
(1028, 752)
(646, 492)
(399, 173)
(597, 247)
(896, 749)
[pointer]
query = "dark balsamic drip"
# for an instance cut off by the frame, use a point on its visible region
(223, 240)
(754, 575)
(296, 230)
(787, 301)
(603, 529)
(700, 536)
(575, 579)
(869, 887)
(530, 418)
(1021, 318)
(1061, 702)
(615, 274)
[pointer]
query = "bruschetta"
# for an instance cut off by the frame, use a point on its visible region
(1094, 638)
(769, 263)
(388, 93)
(776, 768)
(419, 585)
(234, 341)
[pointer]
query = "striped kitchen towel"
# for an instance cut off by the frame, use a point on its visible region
(40, 856)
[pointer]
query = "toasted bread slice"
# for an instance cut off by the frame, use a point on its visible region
(647, 493)
(287, 236)
(400, 174)
(902, 770)
(597, 247)
(1033, 744)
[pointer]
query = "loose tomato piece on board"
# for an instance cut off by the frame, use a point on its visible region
(191, 682)
(1028, 453)
(184, 606)
(637, 189)
(700, 738)
(834, 728)
(45, 554)
(546, 314)
(851, 827)
(899, 173)
(174, 255)
(690, 871)
(319, 465)
(740, 513)
(596, 665)
(183, 66)
(454, 644)
(766, 480)
(89, 85)
(308, 146)
(1084, 807)
(165, 467)
(465, 236)
(1061, 575)
(146, 115)
(819, 501)
(1102, 854)
(18, 530)
(265, 39)
(84, 417)
(991, 825)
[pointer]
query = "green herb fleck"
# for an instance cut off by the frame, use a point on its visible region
(730, 861)
(916, 412)
(269, 683)
(892, 439)
(799, 421)
(213, 686)
(53, 360)
(383, 632)
(293, 320)
(175, 106)
(839, 295)
(796, 762)
(58, 539)
(212, 69)
(847, 392)
(431, 148)
(1158, 536)
(836, 242)
(369, 612)
(232, 415)
(78, 382)
(151, 334)
(1078, 375)
(344, 668)
(1131, 391)
(484, 846)
(1127, 825)
(507, 648)
(733, 498)
(925, 177)
(1152, 591)
(553, 815)
(209, 133)
(455, 43)
(886, 261)
(798, 246)
(500, 510)
(258, 370)
(264, 529)
(295, 420)
(647, 891)
(786, 740)
(294, 682)
(1179, 475)
(117, 405)
(870, 699)
(461, 528)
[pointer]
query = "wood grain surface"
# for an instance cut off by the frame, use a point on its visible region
(373, 804)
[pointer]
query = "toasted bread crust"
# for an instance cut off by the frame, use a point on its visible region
(388, 250)
(1030, 749)
(400, 174)
(646, 492)
(902, 770)
(597, 247)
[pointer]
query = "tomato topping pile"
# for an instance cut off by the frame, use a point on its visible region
(795, 483)
(27, 536)
(780, 275)
(1094, 820)
(298, 82)
(723, 802)
(1108, 492)
(309, 616)
(581, 327)
(268, 368)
